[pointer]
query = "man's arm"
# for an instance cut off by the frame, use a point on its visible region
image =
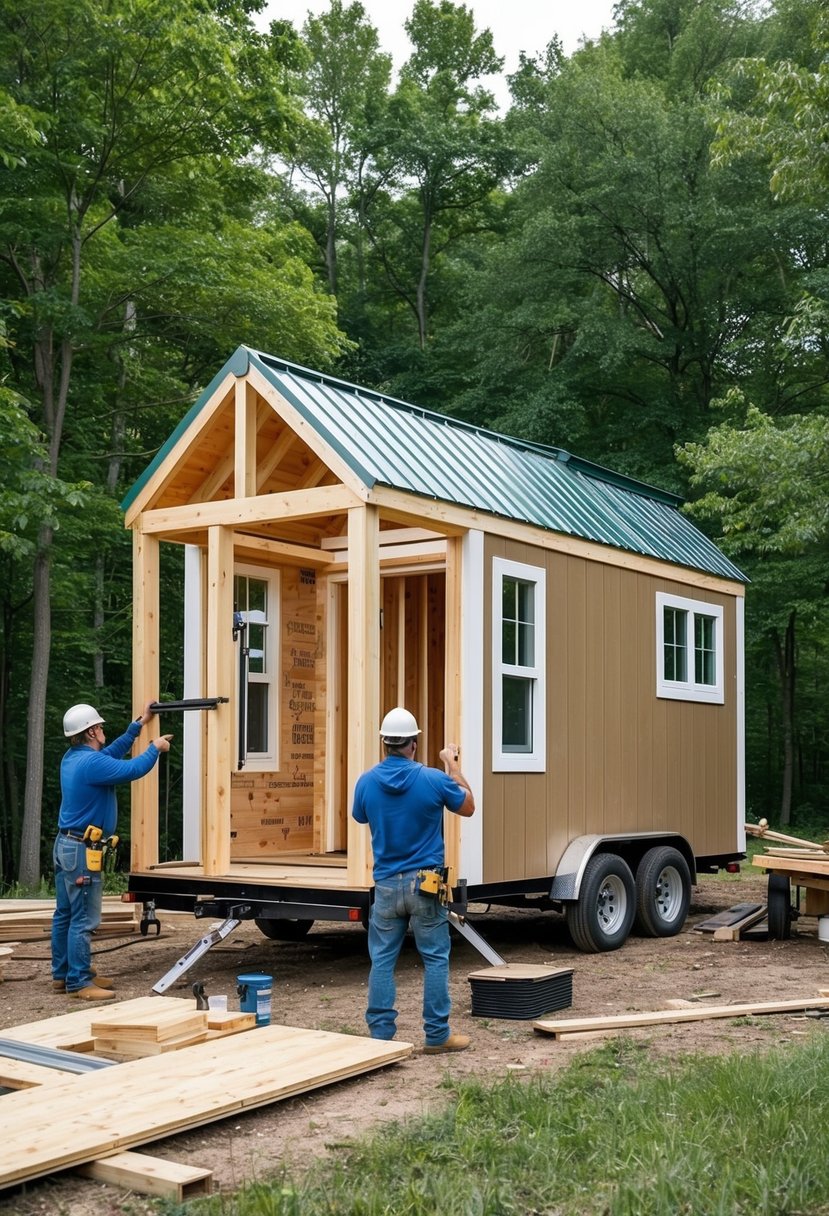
(449, 756)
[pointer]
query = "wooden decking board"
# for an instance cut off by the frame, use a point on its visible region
(657, 1017)
(144, 1100)
(150, 1176)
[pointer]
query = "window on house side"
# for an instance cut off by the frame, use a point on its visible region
(689, 649)
(519, 690)
(256, 600)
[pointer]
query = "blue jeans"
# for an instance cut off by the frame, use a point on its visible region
(397, 906)
(77, 913)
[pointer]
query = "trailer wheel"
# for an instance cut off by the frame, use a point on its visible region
(780, 911)
(601, 918)
(280, 929)
(663, 892)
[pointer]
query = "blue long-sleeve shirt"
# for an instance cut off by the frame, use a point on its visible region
(88, 779)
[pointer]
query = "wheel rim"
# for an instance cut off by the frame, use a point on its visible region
(612, 904)
(669, 894)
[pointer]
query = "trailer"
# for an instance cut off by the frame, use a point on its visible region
(345, 552)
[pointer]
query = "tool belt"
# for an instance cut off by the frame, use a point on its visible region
(434, 882)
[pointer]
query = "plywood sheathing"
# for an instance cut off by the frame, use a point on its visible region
(144, 1100)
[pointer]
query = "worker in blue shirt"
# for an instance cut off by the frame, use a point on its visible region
(89, 773)
(403, 801)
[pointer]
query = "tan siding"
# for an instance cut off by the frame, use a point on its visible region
(619, 759)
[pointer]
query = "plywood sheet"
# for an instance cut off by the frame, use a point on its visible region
(144, 1100)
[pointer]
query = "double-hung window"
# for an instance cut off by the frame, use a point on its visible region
(256, 604)
(518, 667)
(689, 649)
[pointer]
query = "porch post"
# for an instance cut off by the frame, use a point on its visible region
(363, 672)
(215, 811)
(453, 677)
(145, 677)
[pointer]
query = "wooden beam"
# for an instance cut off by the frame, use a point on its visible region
(731, 933)
(215, 820)
(145, 687)
(276, 454)
(282, 551)
(263, 508)
(661, 1017)
(452, 520)
(801, 871)
(244, 469)
(150, 1176)
(363, 672)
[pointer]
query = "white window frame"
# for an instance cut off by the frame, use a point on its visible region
(268, 761)
(689, 689)
(535, 760)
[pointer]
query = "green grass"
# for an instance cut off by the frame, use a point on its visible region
(616, 1134)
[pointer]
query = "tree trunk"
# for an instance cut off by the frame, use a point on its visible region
(29, 872)
(786, 667)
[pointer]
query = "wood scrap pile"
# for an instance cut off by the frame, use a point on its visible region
(117, 1036)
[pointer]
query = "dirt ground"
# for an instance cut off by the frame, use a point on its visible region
(321, 983)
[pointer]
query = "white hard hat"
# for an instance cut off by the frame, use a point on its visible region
(399, 724)
(79, 718)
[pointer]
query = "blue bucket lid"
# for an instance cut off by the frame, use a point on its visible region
(254, 978)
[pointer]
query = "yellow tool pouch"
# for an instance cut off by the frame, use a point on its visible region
(94, 859)
(429, 882)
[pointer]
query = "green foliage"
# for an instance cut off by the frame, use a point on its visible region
(616, 1133)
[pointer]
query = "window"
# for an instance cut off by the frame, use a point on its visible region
(689, 650)
(256, 604)
(518, 693)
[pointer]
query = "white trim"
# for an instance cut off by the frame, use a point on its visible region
(193, 722)
(265, 762)
(472, 702)
(689, 689)
(534, 761)
(741, 725)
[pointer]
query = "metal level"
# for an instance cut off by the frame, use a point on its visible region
(195, 952)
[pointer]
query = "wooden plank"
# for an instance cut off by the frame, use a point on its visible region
(801, 866)
(363, 671)
(145, 681)
(662, 1016)
(764, 832)
(144, 1100)
(729, 916)
(238, 512)
(21, 1074)
(150, 1176)
(731, 933)
(215, 814)
(155, 1026)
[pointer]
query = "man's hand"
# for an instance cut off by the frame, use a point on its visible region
(147, 714)
(163, 742)
(449, 755)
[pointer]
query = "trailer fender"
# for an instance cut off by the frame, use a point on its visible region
(631, 846)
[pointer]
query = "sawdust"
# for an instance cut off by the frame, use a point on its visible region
(321, 982)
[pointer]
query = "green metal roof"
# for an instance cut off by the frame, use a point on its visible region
(390, 443)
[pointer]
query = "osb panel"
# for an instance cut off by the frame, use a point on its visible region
(273, 812)
(619, 759)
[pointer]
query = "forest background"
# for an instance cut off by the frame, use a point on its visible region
(631, 262)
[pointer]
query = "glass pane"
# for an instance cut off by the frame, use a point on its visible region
(705, 667)
(526, 602)
(240, 593)
(526, 645)
(675, 657)
(508, 599)
(257, 595)
(256, 642)
(257, 717)
(516, 715)
(508, 642)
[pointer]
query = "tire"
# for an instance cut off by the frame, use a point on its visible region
(601, 918)
(663, 892)
(780, 912)
(283, 930)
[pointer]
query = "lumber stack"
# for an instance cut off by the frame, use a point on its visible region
(121, 1036)
(31, 920)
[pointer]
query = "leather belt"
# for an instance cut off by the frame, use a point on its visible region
(71, 835)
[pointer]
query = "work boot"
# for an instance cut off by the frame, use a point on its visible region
(455, 1042)
(100, 981)
(92, 993)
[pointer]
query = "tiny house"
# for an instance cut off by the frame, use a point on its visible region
(346, 552)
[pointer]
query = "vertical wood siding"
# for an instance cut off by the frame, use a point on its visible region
(619, 759)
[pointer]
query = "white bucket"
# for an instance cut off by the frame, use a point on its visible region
(823, 928)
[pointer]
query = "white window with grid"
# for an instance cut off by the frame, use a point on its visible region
(256, 605)
(518, 667)
(689, 649)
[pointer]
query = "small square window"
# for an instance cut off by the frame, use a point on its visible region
(689, 649)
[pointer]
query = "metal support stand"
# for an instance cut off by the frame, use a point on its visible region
(201, 947)
(474, 938)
